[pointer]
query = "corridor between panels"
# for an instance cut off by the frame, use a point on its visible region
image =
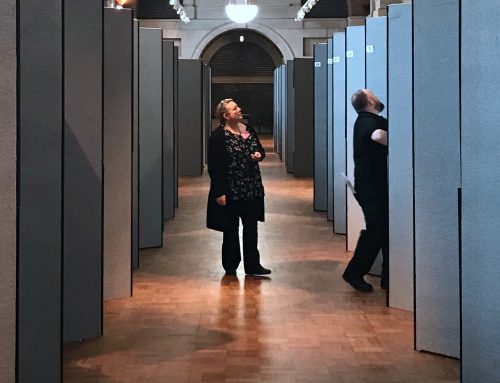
(188, 322)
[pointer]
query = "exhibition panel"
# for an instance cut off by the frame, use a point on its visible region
(400, 160)
(8, 179)
(40, 145)
(150, 138)
(320, 125)
(176, 125)
(190, 143)
(290, 130)
(83, 175)
(436, 137)
(118, 127)
(168, 130)
(376, 77)
(135, 153)
(480, 140)
(355, 80)
(303, 116)
(339, 134)
(329, 130)
(283, 118)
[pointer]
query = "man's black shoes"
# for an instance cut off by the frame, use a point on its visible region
(358, 283)
(230, 272)
(259, 271)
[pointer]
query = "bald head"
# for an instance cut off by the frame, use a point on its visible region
(363, 100)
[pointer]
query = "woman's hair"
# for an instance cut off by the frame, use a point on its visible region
(221, 109)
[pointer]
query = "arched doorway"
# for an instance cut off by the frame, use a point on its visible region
(242, 65)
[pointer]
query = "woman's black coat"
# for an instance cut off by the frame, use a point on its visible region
(218, 158)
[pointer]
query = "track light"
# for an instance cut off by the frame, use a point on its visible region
(179, 9)
(305, 9)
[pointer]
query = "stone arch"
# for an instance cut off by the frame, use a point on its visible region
(267, 32)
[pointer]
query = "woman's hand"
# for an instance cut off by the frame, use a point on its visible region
(221, 200)
(256, 156)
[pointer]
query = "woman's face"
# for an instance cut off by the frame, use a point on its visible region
(233, 112)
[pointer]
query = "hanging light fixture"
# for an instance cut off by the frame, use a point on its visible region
(240, 11)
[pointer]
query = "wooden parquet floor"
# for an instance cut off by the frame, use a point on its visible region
(189, 323)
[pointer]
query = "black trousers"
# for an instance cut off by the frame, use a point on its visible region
(231, 255)
(375, 238)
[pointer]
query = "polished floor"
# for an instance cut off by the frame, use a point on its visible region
(187, 322)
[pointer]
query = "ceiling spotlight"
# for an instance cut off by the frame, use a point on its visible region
(242, 38)
(240, 11)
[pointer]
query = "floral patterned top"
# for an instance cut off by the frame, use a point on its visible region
(245, 181)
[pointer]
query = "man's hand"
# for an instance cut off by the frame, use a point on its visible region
(380, 137)
(221, 200)
(256, 156)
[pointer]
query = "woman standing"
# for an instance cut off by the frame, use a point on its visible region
(236, 189)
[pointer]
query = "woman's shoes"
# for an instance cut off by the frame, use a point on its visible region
(260, 271)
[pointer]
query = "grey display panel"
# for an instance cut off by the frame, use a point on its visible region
(400, 160)
(355, 79)
(437, 175)
(176, 124)
(320, 125)
(40, 135)
(290, 103)
(150, 138)
(118, 127)
(480, 186)
(277, 110)
(207, 114)
(83, 177)
(135, 155)
(376, 79)
(283, 112)
(339, 132)
(190, 118)
(277, 85)
(303, 88)
(168, 130)
(329, 130)
(8, 168)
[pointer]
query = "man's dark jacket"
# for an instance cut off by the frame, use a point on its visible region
(218, 217)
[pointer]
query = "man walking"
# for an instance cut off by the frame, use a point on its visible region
(370, 185)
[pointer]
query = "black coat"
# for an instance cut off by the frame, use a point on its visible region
(218, 159)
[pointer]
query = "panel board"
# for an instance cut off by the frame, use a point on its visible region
(150, 138)
(290, 104)
(480, 185)
(8, 166)
(329, 130)
(320, 127)
(190, 118)
(118, 126)
(376, 79)
(303, 84)
(283, 113)
(135, 155)
(168, 130)
(83, 178)
(40, 138)
(400, 159)
(339, 134)
(176, 124)
(437, 175)
(355, 79)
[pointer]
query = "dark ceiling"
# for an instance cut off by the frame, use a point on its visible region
(161, 9)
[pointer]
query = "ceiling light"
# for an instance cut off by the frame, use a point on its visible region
(241, 11)
(242, 38)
